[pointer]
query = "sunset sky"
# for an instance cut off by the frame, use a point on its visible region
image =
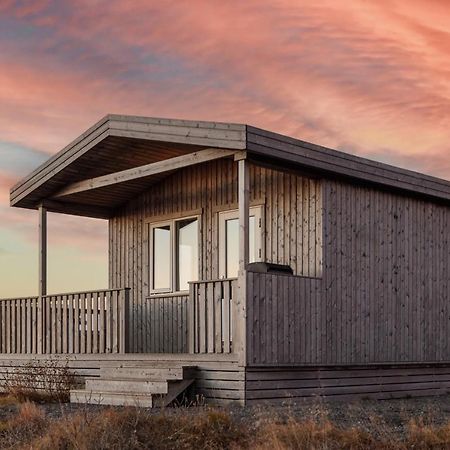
(367, 77)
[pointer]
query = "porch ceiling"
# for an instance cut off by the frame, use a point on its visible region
(115, 144)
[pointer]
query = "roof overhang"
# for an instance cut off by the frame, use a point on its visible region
(121, 156)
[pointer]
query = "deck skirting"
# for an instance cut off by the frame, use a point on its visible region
(278, 385)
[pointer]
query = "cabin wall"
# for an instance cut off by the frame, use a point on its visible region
(384, 294)
(293, 233)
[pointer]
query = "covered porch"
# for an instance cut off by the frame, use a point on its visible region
(95, 176)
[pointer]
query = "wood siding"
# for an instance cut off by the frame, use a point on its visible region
(384, 295)
(292, 225)
(294, 384)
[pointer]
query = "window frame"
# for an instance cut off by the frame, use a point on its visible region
(258, 212)
(172, 223)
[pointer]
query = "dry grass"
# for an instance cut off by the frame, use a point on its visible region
(130, 428)
(40, 381)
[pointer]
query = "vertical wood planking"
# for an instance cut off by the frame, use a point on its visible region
(384, 292)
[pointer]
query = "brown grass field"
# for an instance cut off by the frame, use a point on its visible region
(396, 424)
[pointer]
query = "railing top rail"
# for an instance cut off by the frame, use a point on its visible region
(27, 297)
(216, 280)
(18, 298)
(98, 291)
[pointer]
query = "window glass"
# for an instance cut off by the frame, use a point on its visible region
(232, 245)
(187, 261)
(161, 257)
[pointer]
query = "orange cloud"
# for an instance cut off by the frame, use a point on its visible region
(372, 78)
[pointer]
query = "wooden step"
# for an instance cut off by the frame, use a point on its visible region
(111, 398)
(155, 385)
(153, 373)
(127, 385)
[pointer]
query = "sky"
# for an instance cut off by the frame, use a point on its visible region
(368, 77)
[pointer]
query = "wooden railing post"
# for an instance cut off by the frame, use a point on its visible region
(123, 320)
(191, 318)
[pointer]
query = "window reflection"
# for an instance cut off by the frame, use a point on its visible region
(187, 261)
(161, 257)
(232, 245)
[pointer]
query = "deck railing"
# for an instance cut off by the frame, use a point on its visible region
(79, 322)
(210, 316)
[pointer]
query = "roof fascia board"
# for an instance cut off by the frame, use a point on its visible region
(270, 144)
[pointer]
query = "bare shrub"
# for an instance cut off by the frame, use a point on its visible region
(310, 434)
(425, 436)
(22, 427)
(133, 428)
(39, 380)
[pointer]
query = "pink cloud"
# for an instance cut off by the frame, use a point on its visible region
(369, 77)
(372, 75)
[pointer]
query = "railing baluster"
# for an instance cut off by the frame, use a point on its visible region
(101, 322)
(83, 323)
(115, 342)
(108, 327)
(89, 323)
(70, 324)
(3, 327)
(13, 327)
(95, 322)
(77, 323)
(23, 339)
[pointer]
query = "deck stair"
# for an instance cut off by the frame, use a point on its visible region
(145, 386)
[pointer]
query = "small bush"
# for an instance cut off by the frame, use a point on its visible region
(23, 426)
(45, 381)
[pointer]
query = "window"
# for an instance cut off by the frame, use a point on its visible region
(229, 240)
(173, 254)
(187, 252)
(161, 262)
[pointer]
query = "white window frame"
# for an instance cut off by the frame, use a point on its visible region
(258, 213)
(172, 223)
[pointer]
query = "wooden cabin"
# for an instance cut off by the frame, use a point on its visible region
(244, 266)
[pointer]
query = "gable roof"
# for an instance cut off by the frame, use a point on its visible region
(121, 142)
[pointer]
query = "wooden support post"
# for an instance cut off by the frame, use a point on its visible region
(42, 251)
(42, 276)
(243, 199)
(239, 332)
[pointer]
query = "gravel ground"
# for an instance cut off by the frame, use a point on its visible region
(389, 417)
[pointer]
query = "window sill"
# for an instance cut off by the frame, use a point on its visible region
(168, 294)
